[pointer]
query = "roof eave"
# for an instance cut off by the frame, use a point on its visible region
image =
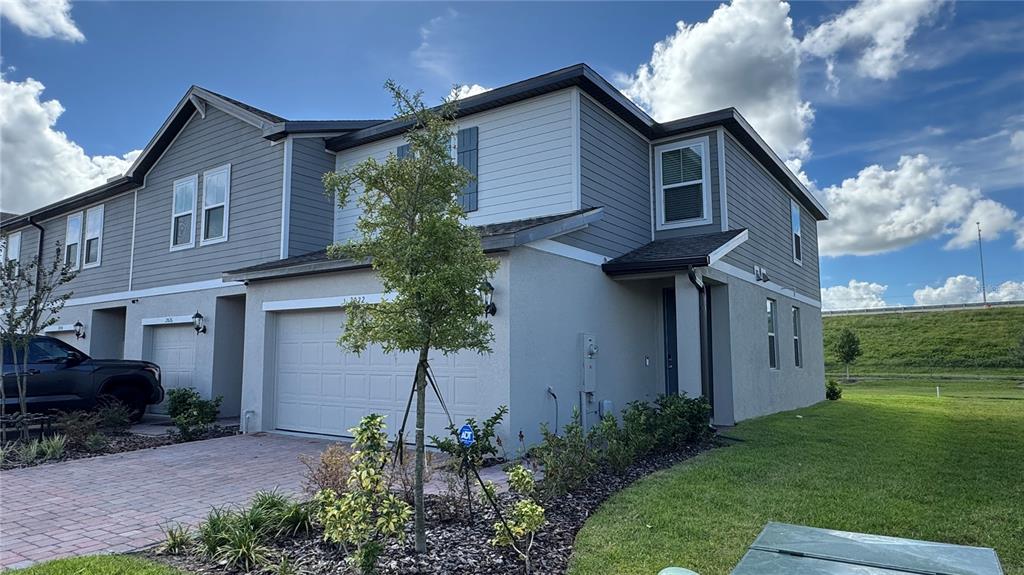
(109, 189)
(672, 265)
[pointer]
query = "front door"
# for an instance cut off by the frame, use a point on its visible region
(668, 299)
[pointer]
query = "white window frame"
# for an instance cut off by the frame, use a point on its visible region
(798, 346)
(194, 180)
(9, 254)
(659, 192)
(78, 240)
(794, 210)
(86, 237)
(226, 169)
(772, 309)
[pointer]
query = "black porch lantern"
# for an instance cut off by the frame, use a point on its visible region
(79, 330)
(487, 294)
(199, 323)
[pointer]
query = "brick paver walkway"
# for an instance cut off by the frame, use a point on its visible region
(117, 503)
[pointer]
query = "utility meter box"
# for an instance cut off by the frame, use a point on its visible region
(588, 352)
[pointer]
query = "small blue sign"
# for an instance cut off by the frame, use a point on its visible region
(466, 436)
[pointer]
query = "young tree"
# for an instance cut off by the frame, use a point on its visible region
(847, 349)
(37, 286)
(413, 232)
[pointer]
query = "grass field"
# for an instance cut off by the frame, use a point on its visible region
(98, 565)
(987, 341)
(889, 458)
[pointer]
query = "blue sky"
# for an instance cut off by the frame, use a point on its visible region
(942, 83)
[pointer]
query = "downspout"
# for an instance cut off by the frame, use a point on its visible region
(705, 361)
(39, 251)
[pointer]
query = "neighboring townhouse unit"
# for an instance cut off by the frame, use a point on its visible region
(636, 258)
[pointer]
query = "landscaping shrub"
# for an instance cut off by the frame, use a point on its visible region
(177, 539)
(213, 532)
(611, 442)
(192, 415)
(524, 518)
(637, 422)
(113, 416)
(368, 514)
(53, 447)
(242, 547)
(295, 518)
(77, 426)
(402, 472)
(328, 471)
(679, 421)
(567, 459)
(464, 460)
(833, 390)
(97, 443)
(30, 451)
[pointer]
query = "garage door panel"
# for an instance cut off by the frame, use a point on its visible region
(350, 386)
(173, 348)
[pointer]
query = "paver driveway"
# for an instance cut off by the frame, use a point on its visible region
(117, 503)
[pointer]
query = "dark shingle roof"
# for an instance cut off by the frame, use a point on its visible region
(494, 237)
(671, 253)
(272, 118)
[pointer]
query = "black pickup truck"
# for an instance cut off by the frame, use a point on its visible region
(61, 377)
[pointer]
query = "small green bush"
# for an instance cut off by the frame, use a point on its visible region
(177, 539)
(524, 518)
(833, 391)
(242, 548)
(567, 459)
(463, 459)
(113, 415)
(610, 440)
(77, 426)
(97, 443)
(637, 421)
(30, 451)
(680, 421)
(53, 447)
(213, 532)
(192, 415)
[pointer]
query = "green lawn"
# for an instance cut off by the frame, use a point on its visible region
(984, 341)
(889, 458)
(99, 565)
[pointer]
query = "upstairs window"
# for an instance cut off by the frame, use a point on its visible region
(183, 224)
(93, 236)
(798, 352)
(794, 216)
(11, 249)
(216, 193)
(682, 185)
(773, 342)
(73, 241)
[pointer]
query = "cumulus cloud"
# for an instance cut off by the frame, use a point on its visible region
(883, 210)
(466, 90)
(744, 55)
(878, 30)
(967, 289)
(40, 164)
(42, 18)
(855, 295)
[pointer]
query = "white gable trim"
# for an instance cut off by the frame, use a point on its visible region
(322, 302)
(728, 247)
(567, 251)
(770, 286)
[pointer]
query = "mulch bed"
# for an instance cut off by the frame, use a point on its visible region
(118, 443)
(461, 546)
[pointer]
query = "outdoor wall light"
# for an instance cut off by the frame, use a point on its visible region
(199, 323)
(487, 294)
(79, 330)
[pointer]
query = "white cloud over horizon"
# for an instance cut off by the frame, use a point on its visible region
(42, 18)
(854, 295)
(466, 90)
(40, 164)
(967, 289)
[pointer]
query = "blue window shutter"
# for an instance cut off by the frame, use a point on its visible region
(468, 156)
(402, 151)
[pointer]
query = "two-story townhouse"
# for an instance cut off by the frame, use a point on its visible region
(636, 258)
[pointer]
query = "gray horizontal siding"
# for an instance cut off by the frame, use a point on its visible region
(614, 174)
(254, 221)
(713, 176)
(311, 221)
(759, 203)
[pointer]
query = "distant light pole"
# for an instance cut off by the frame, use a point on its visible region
(981, 258)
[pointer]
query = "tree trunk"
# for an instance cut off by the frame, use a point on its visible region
(421, 415)
(847, 373)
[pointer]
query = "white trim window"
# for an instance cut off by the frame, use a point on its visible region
(216, 199)
(11, 249)
(798, 350)
(183, 212)
(682, 184)
(73, 241)
(794, 223)
(773, 341)
(93, 236)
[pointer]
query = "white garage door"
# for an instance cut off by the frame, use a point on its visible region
(322, 389)
(174, 350)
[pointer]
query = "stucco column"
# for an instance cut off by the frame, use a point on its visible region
(688, 336)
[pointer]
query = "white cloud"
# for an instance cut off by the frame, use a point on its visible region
(433, 53)
(39, 164)
(855, 295)
(42, 18)
(967, 289)
(882, 210)
(744, 55)
(878, 29)
(466, 90)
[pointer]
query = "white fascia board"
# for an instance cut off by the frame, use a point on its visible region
(322, 302)
(736, 272)
(728, 247)
(567, 251)
(151, 292)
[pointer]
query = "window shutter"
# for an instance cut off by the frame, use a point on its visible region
(467, 147)
(402, 151)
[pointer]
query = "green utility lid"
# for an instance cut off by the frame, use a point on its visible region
(783, 549)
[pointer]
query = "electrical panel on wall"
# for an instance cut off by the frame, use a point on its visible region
(588, 349)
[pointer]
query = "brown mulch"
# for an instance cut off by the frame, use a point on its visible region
(461, 545)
